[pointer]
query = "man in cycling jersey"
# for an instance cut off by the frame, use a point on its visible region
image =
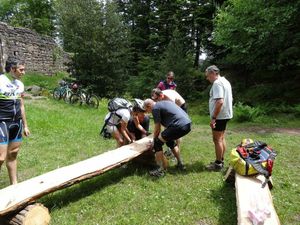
(12, 117)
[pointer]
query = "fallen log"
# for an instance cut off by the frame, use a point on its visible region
(34, 214)
(17, 196)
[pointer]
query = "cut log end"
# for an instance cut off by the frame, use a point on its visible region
(35, 214)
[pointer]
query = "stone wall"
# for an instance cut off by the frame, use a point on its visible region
(40, 53)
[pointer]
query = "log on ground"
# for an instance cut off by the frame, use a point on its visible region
(34, 214)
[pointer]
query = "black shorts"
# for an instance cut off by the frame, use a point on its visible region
(133, 129)
(174, 133)
(184, 107)
(221, 125)
(10, 131)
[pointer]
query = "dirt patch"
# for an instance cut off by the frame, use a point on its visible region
(293, 131)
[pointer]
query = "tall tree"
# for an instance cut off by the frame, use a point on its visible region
(94, 33)
(37, 15)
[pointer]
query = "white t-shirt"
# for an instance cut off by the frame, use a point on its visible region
(123, 114)
(10, 89)
(221, 88)
(173, 96)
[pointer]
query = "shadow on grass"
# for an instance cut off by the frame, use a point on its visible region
(61, 198)
(196, 167)
(225, 200)
(85, 188)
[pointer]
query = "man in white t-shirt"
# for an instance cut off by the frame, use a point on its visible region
(117, 126)
(220, 110)
(169, 95)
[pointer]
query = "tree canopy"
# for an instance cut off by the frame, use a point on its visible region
(128, 46)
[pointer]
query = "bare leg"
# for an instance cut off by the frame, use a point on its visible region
(119, 138)
(161, 160)
(11, 161)
(178, 141)
(3, 153)
(176, 153)
(220, 144)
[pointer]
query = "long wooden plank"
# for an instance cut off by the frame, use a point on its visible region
(252, 199)
(17, 196)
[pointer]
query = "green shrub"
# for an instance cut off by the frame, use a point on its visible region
(246, 113)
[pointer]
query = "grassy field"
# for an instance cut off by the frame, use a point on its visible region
(64, 134)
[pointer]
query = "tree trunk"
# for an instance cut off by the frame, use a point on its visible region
(35, 214)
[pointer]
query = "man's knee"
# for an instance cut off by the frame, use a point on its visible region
(158, 144)
(12, 154)
(171, 144)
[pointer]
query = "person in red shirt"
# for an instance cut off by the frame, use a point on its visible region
(168, 83)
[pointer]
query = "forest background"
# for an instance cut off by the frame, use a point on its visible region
(125, 47)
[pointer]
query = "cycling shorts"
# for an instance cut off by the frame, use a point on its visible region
(10, 131)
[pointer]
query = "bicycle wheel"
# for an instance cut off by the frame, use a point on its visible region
(57, 93)
(75, 99)
(93, 101)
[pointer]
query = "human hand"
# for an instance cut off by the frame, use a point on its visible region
(26, 131)
(212, 123)
(150, 145)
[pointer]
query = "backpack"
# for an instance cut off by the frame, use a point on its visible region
(118, 103)
(113, 105)
(253, 157)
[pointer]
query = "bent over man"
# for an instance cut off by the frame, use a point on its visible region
(177, 124)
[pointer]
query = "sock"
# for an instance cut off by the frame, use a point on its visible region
(218, 162)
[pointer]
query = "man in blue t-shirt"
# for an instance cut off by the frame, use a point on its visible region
(177, 124)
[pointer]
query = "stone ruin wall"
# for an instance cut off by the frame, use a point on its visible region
(40, 53)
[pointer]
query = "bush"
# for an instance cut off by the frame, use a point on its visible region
(245, 113)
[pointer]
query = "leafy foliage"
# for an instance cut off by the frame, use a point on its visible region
(245, 113)
(37, 15)
(260, 34)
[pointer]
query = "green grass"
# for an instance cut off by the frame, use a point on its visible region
(47, 82)
(64, 134)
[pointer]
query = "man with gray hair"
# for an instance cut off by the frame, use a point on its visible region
(220, 110)
(177, 124)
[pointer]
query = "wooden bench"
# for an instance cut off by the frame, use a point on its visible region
(250, 196)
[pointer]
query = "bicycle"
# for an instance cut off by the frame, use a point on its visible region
(85, 97)
(63, 92)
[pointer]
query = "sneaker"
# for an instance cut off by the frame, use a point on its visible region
(213, 166)
(169, 154)
(180, 166)
(157, 172)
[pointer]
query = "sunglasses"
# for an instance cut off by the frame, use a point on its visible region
(170, 78)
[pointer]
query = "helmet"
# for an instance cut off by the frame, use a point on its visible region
(138, 105)
(246, 141)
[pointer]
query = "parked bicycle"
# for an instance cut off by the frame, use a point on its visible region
(64, 91)
(85, 97)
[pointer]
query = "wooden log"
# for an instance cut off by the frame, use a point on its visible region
(34, 214)
(17, 196)
(230, 175)
(254, 202)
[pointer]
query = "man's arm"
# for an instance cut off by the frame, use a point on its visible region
(218, 106)
(124, 131)
(23, 115)
(157, 128)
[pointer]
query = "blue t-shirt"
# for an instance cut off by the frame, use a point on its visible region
(169, 114)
